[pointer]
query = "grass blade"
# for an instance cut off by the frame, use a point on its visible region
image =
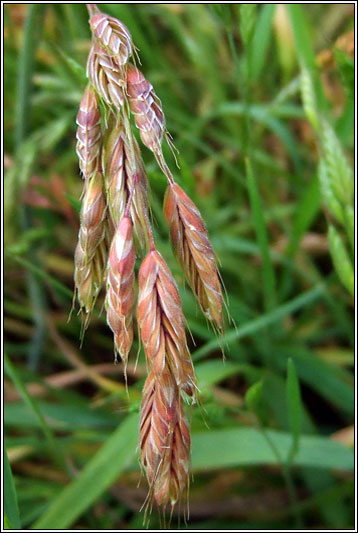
(304, 49)
(99, 473)
(15, 378)
(41, 274)
(248, 446)
(253, 326)
(268, 274)
(293, 396)
(11, 508)
(261, 40)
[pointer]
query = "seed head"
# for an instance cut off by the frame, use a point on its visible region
(113, 36)
(88, 133)
(91, 250)
(119, 178)
(161, 322)
(105, 74)
(120, 288)
(146, 108)
(164, 440)
(194, 251)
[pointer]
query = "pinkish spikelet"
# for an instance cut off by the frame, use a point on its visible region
(113, 36)
(147, 110)
(164, 440)
(120, 288)
(194, 251)
(88, 133)
(161, 322)
(106, 76)
(118, 166)
(91, 250)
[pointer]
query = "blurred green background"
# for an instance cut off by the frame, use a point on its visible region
(259, 100)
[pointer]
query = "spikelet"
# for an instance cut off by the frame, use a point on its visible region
(88, 133)
(194, 251)
(148, 113)
(164, 440)
(106, 77)
(113, 36)
(161, 322)
(120, 288)
(91, 254)
(118, 167)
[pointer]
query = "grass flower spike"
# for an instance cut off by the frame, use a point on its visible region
(146, 108)
(89, 133)
(91, 254)
(120, 288)
(115, 228)
(194, 251)
(164, 440)
(161, 322)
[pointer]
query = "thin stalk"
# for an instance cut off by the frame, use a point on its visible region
(286, 474)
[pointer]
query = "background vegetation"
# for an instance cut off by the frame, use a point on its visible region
(259, 100)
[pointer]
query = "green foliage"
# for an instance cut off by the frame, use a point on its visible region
(11, 508)
(294, 407)
(253, 396)
(341, 260)
(265, 151)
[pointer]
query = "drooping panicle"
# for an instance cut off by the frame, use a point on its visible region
(161, 322)
(193, 249)
(120, 288)
(88, 133)
(115, 216)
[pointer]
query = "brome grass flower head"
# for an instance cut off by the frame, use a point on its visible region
(115, 227)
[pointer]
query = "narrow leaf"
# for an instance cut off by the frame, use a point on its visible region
(248, 446)
(11, 508)
(293, 396)
(99, 473)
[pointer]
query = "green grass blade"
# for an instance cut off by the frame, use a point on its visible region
(99, 473)
(268, 274)
(209, 373)
(304, 49)
(341, 259)
(307, 209)
(41, 274)
(11, 508)
(293, 396)
(15, 378)
(248, 446)
(253, 326)
(334, 384)
(261, 40)
(7, 524)
(25, 69)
